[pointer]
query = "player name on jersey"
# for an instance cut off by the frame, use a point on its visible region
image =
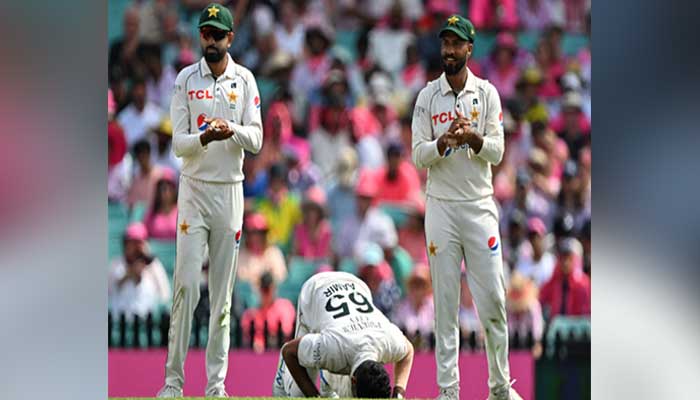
(359, 323)
(338, 287)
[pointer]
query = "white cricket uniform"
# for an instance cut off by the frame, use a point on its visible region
(461, 220)
(341, 329)
(210, 205)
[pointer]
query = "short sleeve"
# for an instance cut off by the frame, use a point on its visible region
(321, 351)
(395, 349)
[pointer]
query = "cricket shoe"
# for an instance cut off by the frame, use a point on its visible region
(217, 392)
(450, 393)
(169, 392)
(509, 394)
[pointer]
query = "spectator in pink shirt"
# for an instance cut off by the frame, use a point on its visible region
(412, 233)
(116, 141)
(398, 181)
(274, 311)
(493, 14)
(416, 314)
(366, 129)
(312, 238)
(552, 69)
(502, 70)
(279, 134)
(161, 220)
(568, 292)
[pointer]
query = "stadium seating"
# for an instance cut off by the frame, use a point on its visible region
(348, 265)
(117, 218)
(246, 294)
(164, 250)
(299, 271)
(138, 212)
(396, 213)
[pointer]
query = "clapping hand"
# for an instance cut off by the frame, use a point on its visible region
(464, 133)
(455, 135)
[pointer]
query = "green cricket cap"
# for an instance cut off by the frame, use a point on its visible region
(217, 16)
(461, 26)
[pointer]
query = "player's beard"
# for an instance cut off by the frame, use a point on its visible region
(213, 56)
(454, 68)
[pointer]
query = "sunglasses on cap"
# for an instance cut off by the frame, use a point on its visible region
(216, 34)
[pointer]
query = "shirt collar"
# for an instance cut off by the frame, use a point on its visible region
(228, 72)
(469, 86)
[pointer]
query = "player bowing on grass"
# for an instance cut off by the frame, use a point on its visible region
(340, 332)
(457, 136)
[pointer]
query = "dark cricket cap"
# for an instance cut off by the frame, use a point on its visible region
(217, 16)
(461, 26)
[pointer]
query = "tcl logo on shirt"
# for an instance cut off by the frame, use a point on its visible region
(443, 117)
(199, 94)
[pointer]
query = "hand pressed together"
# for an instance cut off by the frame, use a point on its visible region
(218, 129)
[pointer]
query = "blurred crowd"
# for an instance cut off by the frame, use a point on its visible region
(334, 185)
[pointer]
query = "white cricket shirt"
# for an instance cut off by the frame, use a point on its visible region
(234, 97)
(347, 329)
(460, 174)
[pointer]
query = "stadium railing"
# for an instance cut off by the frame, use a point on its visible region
(560, 343)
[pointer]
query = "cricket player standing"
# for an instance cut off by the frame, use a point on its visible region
(215, 112)
(340, 332)
(458, 134)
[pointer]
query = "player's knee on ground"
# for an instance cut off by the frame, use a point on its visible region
(372, 381)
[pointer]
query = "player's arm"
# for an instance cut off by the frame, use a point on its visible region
(492, 146)
(402, 370)
(249, 133)
(425, 150)
(184, 144)
(290, 354)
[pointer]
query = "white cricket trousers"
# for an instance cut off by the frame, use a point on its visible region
(469, 230)
(210, 215)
